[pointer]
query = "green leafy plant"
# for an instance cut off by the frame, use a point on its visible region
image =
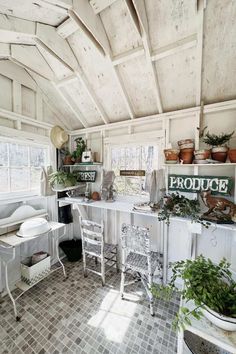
(80, 148)
(206, 283)
(66, 179)
(177, 205)
(217, 140)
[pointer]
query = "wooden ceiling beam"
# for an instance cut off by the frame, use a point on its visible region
(129, 55)
(5, 52)
(67, 28)
(16, 30)
(139, 6)
(174, 48)
(64, 4)
(100, 5)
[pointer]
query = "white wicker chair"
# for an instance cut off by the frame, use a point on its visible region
(138, 258)
(93, 245)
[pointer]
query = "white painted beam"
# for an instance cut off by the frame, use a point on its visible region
(66, 28)
(47, 4)
(129, 55)
(142, 16)
(4, 51)
(93, 23)
(65, 4)
(30, 58)
(17, 98)
(200, 28)
(173, 48)
(90, 92)
(100, 5)
(15, 30)
(73, 106)
(66, 80)
(20, 134)
(30, 121)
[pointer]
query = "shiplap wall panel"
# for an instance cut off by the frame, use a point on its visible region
(6, 100)
(99, 75)
(28, 102)
(177, 79)
(219, 75)
(139, 85)
(170, 20)
(84, 102)
(120, 30)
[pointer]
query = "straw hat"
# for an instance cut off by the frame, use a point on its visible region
(58, 137)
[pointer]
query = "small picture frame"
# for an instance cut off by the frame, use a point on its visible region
(86, 176)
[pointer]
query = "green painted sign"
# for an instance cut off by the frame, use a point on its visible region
(196, 184)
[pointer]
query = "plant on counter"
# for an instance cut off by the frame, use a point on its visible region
(175, 204)
(80, 148)
(61, 179)
(209, 285)
(218, 142)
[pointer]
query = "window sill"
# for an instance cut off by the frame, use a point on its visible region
(20, 199)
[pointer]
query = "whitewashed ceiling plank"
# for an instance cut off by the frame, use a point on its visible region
(30, 10)
(66, 28)
(17, 73)
(15, 30)
(93, 23)
(29, 57)
(4, 51)
(49, 36)
(100, 5)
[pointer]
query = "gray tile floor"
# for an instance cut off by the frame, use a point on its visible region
(78, 315)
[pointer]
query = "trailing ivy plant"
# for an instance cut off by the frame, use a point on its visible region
(217, 140)
(206, 283)
(175, 204)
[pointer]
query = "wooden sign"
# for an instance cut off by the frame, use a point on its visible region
(132, 173)
(196, 184)
(86, 176)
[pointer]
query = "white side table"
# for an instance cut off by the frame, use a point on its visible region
(10, 241)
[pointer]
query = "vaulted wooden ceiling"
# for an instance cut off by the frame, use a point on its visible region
(102, 61)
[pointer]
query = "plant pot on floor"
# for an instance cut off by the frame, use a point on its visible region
(219, 153)
(72, 249)
(232, 155)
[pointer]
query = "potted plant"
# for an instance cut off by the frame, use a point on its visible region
(175, 204)
(80, 148)
(68, 160)
(60, 180)
(218, 143)
(232, 155)
(210, 286)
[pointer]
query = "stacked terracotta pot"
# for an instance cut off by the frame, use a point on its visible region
(172, 156)
(186, 151)
(201, 156)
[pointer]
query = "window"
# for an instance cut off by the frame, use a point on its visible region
(133, 157)
(20, 167)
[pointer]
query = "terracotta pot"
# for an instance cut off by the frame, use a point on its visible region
(68, 161)
(232, 155)
(78, 159)
(95, 196)
(202, 154)
(186, 144)
(219, 153)
(171, 154)
(186, 155)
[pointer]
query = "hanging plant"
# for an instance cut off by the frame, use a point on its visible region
(175, 204)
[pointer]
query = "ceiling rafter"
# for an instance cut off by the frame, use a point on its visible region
(98, 38)
(140, 9)
(100, 5)
(201, 5)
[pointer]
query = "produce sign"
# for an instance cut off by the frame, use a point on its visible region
(86, 176)
(196, 184)
(132, 173)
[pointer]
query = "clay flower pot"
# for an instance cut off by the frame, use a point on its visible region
(219, 153)
(186, 155)
(232, 155)
(202, 154)
(186, 144)
(68, 160)
(171, 155)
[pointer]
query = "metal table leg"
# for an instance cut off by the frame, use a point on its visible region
(5, 264)
(55, 240)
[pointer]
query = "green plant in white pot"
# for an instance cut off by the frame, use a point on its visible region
(219, 146)
(60, 180)
(210, 286)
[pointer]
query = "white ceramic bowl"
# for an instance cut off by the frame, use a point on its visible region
(33, 227)
(221, 321)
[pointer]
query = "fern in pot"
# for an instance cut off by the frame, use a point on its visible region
(219, 146)
(60, 180)
(210, 286)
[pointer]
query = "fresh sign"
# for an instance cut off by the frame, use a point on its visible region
(196, 184)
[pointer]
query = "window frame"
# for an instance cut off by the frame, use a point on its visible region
(135, 141)
(29, 143)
